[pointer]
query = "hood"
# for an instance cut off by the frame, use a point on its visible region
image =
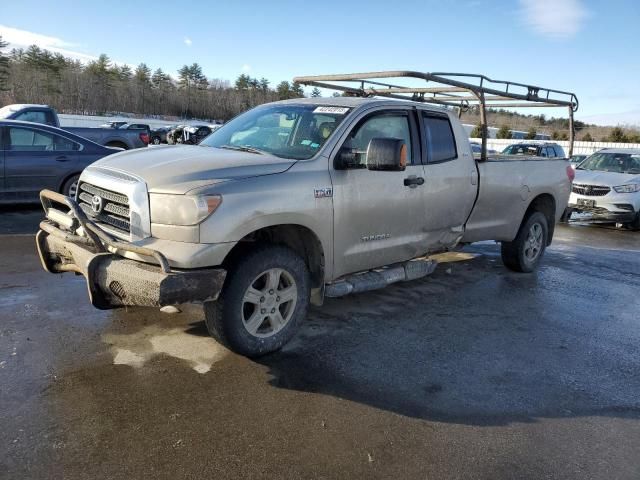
(178, 169)
(609, 179)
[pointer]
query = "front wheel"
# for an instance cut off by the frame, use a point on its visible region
(523, 254)
(265, 297)
(70, 187)
(635, 225)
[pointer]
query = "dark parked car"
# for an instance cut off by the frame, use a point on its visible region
(35, 156)
(548, 150)
(159, 135)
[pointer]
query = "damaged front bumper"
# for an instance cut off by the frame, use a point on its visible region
(71, 242)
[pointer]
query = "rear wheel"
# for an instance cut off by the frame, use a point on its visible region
(156, 140)
(265, 297)
(524, 253)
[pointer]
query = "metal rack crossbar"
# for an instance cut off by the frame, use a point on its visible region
(461, 90)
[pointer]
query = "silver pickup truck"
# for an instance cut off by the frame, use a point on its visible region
(291, 202)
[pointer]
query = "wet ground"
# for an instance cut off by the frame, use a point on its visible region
(475, 372)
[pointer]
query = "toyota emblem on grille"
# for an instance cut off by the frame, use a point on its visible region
(96, 204)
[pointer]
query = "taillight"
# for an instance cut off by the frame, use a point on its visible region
(145, 138)
(571, 173)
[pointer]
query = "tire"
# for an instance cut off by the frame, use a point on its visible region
(243, 317)
(523, 254)
(566, 215)
(70, 186)
(156, 140)
(635, 225)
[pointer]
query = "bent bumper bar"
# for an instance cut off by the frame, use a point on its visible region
(114, 281)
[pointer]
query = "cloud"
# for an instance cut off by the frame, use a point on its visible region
(554, 18)
(17, 38)
(187, 41)
(246, 68)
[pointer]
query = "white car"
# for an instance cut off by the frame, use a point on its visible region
(606, 188)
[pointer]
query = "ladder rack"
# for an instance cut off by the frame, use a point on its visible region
(461, 90)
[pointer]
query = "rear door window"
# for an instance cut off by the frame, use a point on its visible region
(439, 138)
(28, 140)
(32, 116)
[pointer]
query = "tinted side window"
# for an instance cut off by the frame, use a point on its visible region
(36, 117)
(559, 151)
(380, 126)
(441, 143)
(27, 140)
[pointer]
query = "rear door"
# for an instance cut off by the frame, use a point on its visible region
(451, 178)
(36, 159)
(378, 220)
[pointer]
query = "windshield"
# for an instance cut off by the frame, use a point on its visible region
(287, 131)
(612, 162)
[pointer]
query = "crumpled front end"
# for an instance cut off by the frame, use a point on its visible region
(70, 242)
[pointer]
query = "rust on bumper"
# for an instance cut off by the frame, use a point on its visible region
(112, 280)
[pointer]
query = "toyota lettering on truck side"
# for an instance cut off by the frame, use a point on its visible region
(303, 199)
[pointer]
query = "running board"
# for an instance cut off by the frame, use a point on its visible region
(380, 278)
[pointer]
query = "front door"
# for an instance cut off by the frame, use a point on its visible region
(378, 215)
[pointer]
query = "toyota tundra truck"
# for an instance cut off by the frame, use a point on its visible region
(291, 202)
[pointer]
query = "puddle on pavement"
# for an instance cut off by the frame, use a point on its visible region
(181, 341)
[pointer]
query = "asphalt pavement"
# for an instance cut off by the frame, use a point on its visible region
(474, 372)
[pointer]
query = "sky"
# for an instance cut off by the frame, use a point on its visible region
(589, 47)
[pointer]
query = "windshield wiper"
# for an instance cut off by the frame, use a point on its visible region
(243, 148)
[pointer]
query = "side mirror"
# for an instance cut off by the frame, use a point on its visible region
(346, 158)
(387, 154)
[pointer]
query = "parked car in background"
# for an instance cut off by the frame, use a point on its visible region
(194, 134)
(37, 156)
(607, 188)
(159, 135)
(577, 159)
(110, 136)
(175, 135)
(547, 150)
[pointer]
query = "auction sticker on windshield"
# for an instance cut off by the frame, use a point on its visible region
(334, 110)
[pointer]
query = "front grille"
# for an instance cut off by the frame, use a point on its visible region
(590, 190)
(114, 211)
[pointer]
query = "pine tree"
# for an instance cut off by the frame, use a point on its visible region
(587, 137)
(504, 132)
(315, 93)
(284, 90)
(477, 131)
(531, 134)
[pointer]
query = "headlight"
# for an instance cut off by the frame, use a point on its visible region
(629, 188)
(182, 209)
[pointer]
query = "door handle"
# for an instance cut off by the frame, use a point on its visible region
(62, 158)
(413, 181)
